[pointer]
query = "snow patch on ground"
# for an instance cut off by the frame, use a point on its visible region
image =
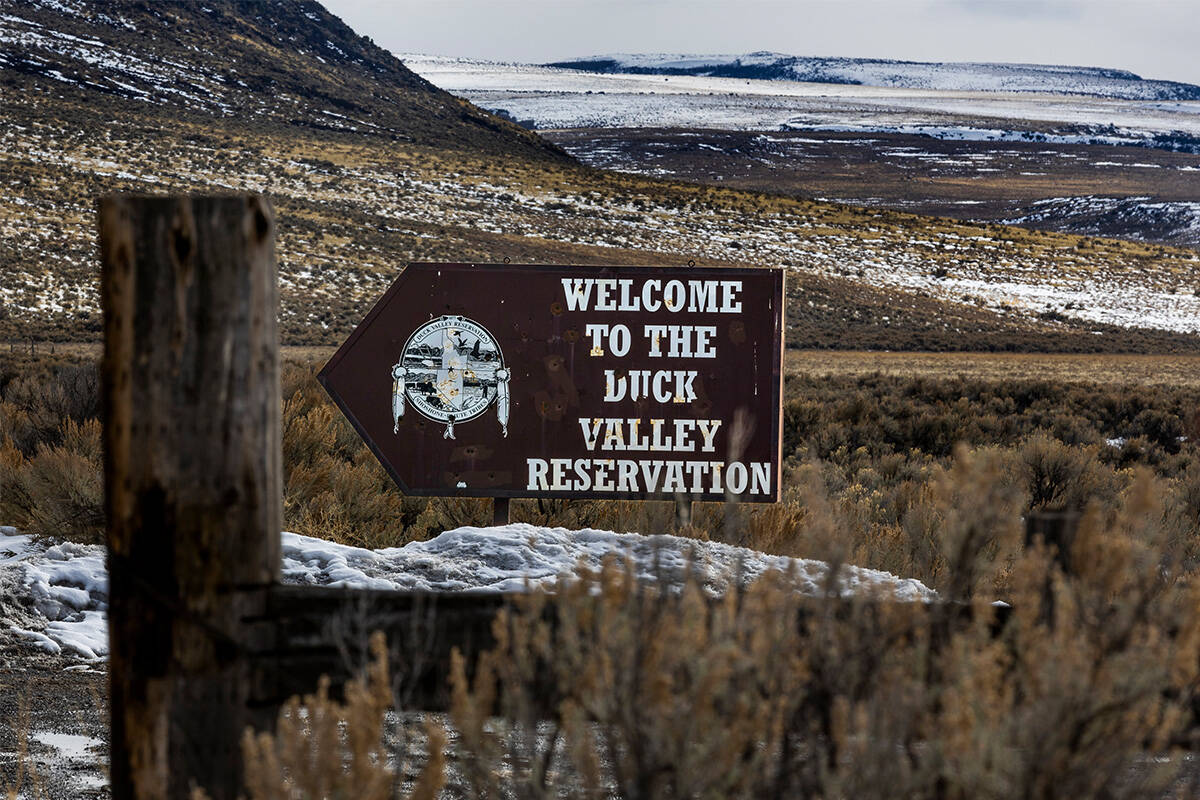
(56, 596)
(1097, 215)
(71, 746)
(82, 756)
(507, 558)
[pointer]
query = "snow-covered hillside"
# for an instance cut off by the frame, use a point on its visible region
(1073, 286)
(289, 63)
(56, 596)
(972, 77)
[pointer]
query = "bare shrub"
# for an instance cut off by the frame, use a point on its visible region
(333, 487)
(50, 396)
(1083, 690)
(17, 427)
(1161, 427)
(325, 749)
(640, 676)
(1057, 476)
(966, 524)
(1090, 676)
(59, 492)
(1191, 428)
(1182, 517)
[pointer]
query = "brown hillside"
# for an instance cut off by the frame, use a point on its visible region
(277, 63)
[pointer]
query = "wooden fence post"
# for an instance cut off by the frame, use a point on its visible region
(192, 469)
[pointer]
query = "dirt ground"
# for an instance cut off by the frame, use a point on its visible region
(53, 721)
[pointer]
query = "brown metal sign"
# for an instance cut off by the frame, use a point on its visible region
(494, 380)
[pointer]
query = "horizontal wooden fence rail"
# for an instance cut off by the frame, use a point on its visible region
(193, 479)
(306, 632)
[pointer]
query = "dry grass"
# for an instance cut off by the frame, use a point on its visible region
(353, 209)
(1177, 370)
(868, 445)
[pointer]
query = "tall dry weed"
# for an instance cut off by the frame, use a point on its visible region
(323, 749)
(620, 691)
(1082, 683)
(27, 782)
(1083, 686)
(1090, 687)
(333, 487)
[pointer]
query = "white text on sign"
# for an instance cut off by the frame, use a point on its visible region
(664, 341)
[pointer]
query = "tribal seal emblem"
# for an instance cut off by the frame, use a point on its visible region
(451, 371)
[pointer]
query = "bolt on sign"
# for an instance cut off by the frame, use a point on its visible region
(496, 380)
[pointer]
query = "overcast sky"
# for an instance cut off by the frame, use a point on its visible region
(1154, 38)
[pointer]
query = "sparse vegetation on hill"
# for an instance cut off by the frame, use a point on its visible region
(407, 172)
(281, 66)
(1119, 191)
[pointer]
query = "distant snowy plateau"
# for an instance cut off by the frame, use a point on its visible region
(556, 97)
(970, 77)
(55, 596)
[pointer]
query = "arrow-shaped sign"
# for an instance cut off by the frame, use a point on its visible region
(494, 380)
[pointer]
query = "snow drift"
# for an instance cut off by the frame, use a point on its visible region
(56, 596)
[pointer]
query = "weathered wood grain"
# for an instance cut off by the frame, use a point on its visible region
(192, 470)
